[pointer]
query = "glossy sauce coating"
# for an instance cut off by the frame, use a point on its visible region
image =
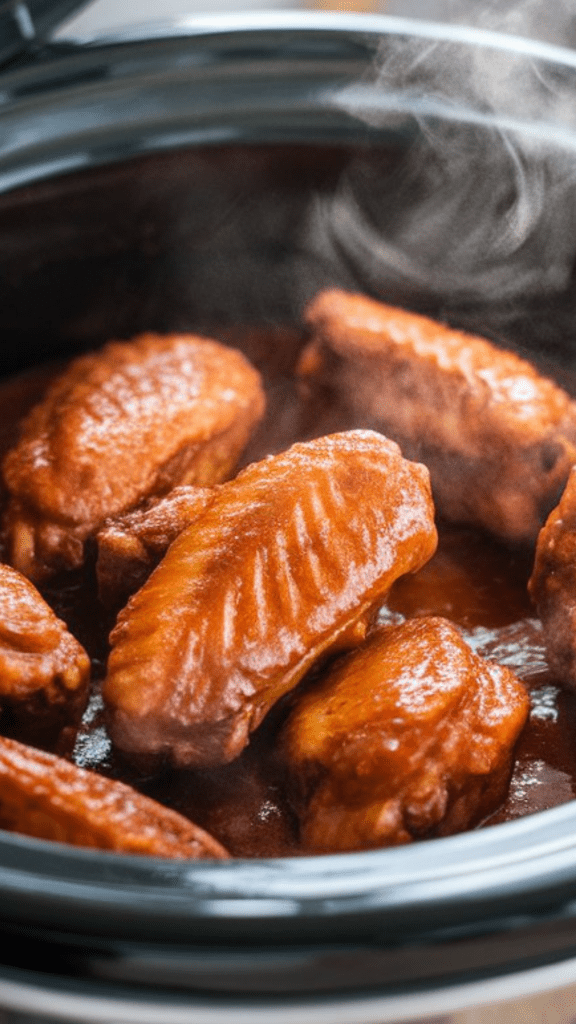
(552, 584)
(498, 438)
(118, 426)
(130, 546)
(289, 562)
(407, 737)
(44, 671)
(49, 798)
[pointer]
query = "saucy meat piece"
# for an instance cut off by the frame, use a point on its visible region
(130, 546)
(498, 438)
(290, 561)
(552, 585)
(119, 426)
(47, 797)
(409, 736)
(44, 671)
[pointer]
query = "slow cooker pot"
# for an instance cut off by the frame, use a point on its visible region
(193, 173)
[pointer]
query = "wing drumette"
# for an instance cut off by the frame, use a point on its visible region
(409, 736)
(119, 426)
(130, 546)
(498, 438)
(552, 585)
(44, 671)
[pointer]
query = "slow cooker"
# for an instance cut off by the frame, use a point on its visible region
(211, 171)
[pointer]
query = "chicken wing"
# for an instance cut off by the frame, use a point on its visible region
(289, 561)
(47, 797)
(130, 546)
(407, 737)
(498, 438)
(118, 426)
(552, 584)
(44, 671)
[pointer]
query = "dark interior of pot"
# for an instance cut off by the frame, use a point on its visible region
(459, 222)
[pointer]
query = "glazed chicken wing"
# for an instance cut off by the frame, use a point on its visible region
(289, 561)
(407, 737)
(498, 438)
(47, 797)
(118, 426)
(552, 585)
(44, 671)
(130, 546)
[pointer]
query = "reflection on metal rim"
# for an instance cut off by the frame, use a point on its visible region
(514, 996)
(168, 84)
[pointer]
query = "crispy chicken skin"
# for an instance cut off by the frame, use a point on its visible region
(47, 797)
(552, 585)
(290, 561)
(498, 438)
(116, 427)
(407, 737)
(44, 671)
(130, 546)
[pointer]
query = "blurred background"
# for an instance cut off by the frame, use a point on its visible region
(550, 20)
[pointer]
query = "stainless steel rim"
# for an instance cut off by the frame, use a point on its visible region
(333, 22)
(52, 1002)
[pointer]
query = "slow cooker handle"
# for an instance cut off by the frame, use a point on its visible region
(25, 24)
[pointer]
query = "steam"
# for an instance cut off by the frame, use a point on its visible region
(553, 22)
(472, 201)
